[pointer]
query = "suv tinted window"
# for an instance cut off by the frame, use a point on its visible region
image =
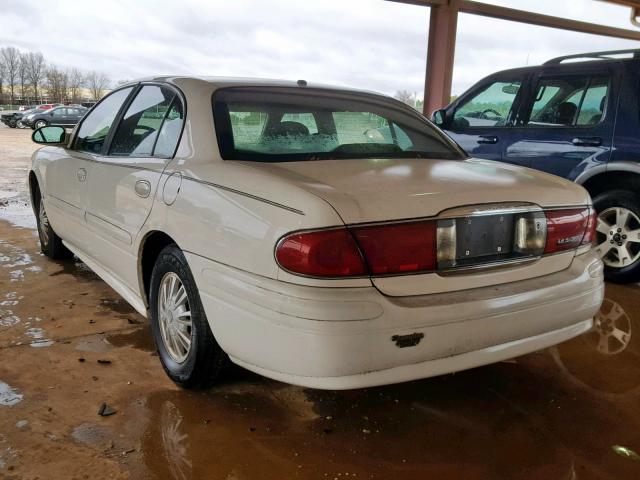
(569, 101)
(138, 129)
(488, 108)
(95, 127)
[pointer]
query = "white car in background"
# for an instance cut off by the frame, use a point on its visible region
(324, 237)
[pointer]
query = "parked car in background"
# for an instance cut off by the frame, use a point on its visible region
(324, 237)
(24, 108)
(576, 116)
(62, 116)
(47, 106)
(14, 119)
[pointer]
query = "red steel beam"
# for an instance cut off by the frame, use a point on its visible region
(440, 55)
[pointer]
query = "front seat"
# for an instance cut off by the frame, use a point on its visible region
(565, 113)
(598, 116)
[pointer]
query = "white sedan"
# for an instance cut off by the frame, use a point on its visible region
(324, 237)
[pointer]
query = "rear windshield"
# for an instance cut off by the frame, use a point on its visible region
(297, 124)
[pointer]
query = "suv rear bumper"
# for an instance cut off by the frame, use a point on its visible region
(342, 338)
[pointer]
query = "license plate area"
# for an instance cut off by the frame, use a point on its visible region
(484, 239)
(489, 239)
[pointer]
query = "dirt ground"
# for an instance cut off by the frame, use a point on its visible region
(68, 343)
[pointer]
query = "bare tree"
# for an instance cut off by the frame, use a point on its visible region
(76, 80)
(10, 60)
(36, 70)
(406, 96)
(57, 82)
(22, 76)
(97, 83)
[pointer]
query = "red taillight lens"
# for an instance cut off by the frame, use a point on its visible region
(590, 234)
(568, 229)
(325, 253)
(398, 248)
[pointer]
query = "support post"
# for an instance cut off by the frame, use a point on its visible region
(440, 55)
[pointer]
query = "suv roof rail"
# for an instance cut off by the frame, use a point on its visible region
(595, 55)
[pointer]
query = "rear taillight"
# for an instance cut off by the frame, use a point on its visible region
(398, 248)
(432, 245)
(570, 228)
(324, 253)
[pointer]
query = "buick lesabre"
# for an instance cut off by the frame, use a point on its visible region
(324, 237)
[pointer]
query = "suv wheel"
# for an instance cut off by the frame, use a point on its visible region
(618, 234)
(188, 350)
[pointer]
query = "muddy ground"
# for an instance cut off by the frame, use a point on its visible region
(68, 343)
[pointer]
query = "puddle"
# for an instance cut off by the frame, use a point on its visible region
(97, 343)
(8, 395)
(19, 214)
(141, 338)
(90, 434)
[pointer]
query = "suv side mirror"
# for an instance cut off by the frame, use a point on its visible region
(439, 117)
(50, 136)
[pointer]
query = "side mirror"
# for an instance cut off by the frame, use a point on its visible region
(50, 136)
(439, 117)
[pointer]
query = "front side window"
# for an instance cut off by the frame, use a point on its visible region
(290, 124)
(95, 127)
(59, 112)
(488, 108)
(137, 132)
(569, 101)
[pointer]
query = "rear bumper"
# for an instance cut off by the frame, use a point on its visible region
(341, 338)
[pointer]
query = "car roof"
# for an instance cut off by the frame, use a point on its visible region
(224, 82)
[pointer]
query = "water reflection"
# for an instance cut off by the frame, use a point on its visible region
(607, 359)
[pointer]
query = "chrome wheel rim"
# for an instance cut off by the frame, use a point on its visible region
(40, 124)
(174, 315)
(43, 221)
(618, 233)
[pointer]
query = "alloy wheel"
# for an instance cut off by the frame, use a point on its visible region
(618, 232)
(174, 317)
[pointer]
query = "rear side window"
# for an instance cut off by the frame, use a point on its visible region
(138, 130)
(293, 124)
(489, 107)
(170, 130)
(569, 101)
(95, 127)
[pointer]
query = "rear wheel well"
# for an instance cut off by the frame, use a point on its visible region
(151, 247)
(612, 181)
(34, 190)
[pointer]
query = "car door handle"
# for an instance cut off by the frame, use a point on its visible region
(142, 188)
(487, 139)
(81, 175)
(587, 141)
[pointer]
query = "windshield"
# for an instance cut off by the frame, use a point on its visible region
(295, 124)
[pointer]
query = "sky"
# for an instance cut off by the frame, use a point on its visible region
(372, 44)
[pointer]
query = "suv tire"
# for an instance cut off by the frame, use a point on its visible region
(187, 348)
(620, 210)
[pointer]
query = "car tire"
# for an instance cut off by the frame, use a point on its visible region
(20, 125)
(50, 243)
(620, 211)
(39, 124)
(173, 293)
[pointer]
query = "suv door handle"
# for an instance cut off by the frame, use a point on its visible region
(587, 141)
(487, 139)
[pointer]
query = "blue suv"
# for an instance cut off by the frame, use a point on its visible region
(576, 116)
